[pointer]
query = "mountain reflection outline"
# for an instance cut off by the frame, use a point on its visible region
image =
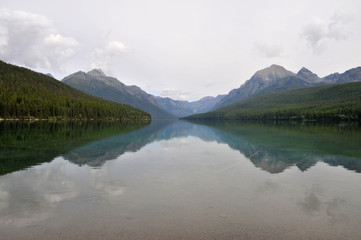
(270, 147)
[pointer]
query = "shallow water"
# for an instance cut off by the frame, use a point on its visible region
(181, 180)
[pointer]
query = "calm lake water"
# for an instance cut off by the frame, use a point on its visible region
(180, 180)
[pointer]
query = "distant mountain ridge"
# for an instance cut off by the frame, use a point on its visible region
(326, 102)
(277, 79)
(25, 94)
(260, 80)
(185, 108)
(95, 82)
(269, 80)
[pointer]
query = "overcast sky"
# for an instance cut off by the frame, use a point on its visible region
(184, 49)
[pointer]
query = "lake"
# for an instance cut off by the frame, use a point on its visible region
(180, 180)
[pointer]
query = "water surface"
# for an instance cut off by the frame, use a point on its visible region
(180, 180)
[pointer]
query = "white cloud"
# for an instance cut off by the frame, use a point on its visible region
(102, 57)
(174, 94)
(270, 49)
(320, 31)
(56, 40)
(30, 39)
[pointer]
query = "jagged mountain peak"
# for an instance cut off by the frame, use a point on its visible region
(96, 73)
(308, 75)
(260, 80)
(96, 83)
(272, 73)
(304, 70)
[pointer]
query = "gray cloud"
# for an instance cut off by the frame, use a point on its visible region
(269, 49)
(103, 57)
(319, 31)
(182, 45)
(30, 39)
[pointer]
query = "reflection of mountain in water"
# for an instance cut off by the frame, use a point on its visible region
(275, 147)
(25, 144)
(96, 153)
(271, 147)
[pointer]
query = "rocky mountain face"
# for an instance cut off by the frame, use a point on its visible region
(176, 107)
(260, 80)
(205, 104)
(278, 79)
(269, 80)
(304, 78)
(308, 76)
(352, 75)
(185, 108)
(98, 84)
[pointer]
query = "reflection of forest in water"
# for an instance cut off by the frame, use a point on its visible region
(272, 147)
(25, 144)
(276, 146)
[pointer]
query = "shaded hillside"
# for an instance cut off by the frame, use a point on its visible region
(98, 84)
(205, 104)
(176, 107)
(327, 102)
(27, 94)
(352, 75)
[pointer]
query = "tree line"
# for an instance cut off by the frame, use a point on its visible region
(26, 94)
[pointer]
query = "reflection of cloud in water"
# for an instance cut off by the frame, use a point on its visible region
(30, 197)
(311, 204)
(103, 182)
(335, 210)
(180, 142)
(314, 206)
(269, 187)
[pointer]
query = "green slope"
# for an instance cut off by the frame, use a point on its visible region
(112, 89)
(27, 94)
(328, 102)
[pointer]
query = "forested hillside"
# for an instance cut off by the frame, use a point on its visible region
(26, 94)
(96, 83)
(328, 102)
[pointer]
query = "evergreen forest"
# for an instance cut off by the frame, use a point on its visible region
(25, 94)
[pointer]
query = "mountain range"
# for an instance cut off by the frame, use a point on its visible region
(271, 80)
(277, 79)
(96, 83)
(266, 81)
(329, 102)
(185, 108)
(93, 143)
(25, 94)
